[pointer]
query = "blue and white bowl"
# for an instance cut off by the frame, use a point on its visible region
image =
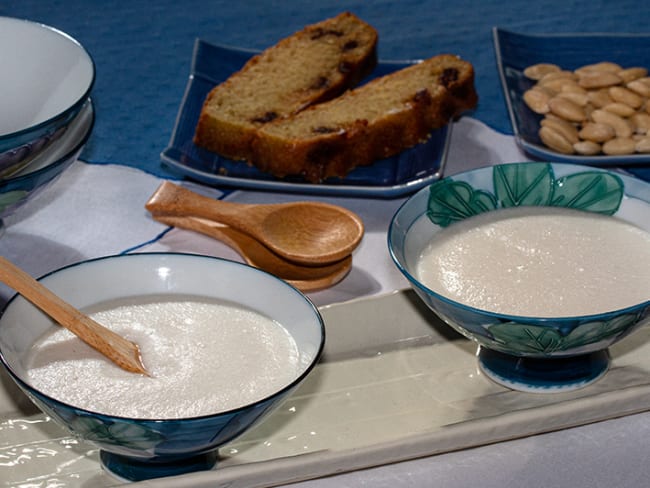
(17, 189)
(47, 76)
(138, 449)
(525, 353)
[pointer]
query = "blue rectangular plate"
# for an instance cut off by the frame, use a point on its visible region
(515, 51)
(391, 177)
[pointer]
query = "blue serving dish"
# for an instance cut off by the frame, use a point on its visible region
(516, 51)
(390, 177)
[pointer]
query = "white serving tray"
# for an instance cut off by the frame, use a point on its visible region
(394, 384)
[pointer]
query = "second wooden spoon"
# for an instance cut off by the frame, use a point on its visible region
(305, 278)
(310, 233)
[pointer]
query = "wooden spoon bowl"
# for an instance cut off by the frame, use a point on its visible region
(305, 278)
(308, 233)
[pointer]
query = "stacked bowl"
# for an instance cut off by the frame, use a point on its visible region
(46, 107)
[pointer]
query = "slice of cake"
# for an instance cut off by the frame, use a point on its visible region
(375, 121)
(313, 65)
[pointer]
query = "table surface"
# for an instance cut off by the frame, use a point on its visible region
(142, 52)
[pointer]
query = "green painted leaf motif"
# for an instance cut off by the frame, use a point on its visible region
(526, 338)
(451, 201)
(597, 331)
(592, 191)
(523, 184)
(130, 435)
(537, 339)
(11, 197)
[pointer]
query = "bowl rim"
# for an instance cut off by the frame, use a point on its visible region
(6, 184)
(77, 104)
(199, 418)
(391, 237)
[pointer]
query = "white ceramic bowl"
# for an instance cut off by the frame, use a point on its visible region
(44, 168)
(136, 448)
(46, 78)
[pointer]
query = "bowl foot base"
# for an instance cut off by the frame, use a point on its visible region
(543, 375)
(132, 469)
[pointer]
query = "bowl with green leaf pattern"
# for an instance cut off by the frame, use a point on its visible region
(544, 265)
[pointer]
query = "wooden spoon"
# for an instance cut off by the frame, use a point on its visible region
(305, 278)
(309, 233)
(122, 352)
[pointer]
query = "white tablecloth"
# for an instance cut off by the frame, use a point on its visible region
(95, 210)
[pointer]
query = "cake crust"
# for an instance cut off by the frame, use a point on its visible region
(375, 121)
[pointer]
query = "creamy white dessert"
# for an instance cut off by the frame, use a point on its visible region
(539, 261)
(204, 358)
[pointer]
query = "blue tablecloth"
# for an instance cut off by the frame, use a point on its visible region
(143, 49)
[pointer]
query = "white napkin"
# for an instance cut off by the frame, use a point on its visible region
(97, 210)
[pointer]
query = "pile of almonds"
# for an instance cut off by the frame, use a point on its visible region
(600, 108)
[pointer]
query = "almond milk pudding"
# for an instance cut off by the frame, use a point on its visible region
(539, 261)
(204, 357)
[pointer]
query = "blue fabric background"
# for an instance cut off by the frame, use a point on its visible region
(142, 49)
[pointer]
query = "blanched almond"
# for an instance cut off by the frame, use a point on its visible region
(558, 75)
(573, 88)
(639, 87)
(628, 97)
(641, 123)
(576, 97)
(598, 79)
(559, 84)
(599, 97)
(606, 66)
(619, 108)
(619, 146)
(643, 145)
(620, 126)
(537, 71)
(537, 100)
(556, 141)
(566, 109)
(567, 129)
(597, 132)
(587, 148)
(633, 73)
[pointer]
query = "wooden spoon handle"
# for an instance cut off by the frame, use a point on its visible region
(122, 352)
(172, 199)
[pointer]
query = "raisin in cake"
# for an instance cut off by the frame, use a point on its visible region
(377, 120)
(312, 65)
